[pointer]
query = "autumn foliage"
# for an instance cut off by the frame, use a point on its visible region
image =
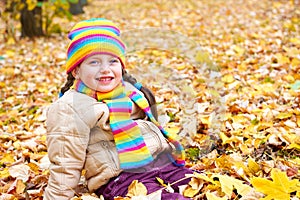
(226, 76)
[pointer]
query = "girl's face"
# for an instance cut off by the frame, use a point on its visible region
(100, 72)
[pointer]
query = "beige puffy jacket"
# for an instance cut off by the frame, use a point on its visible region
(79, 137)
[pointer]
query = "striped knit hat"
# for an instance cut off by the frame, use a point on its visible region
(93, 36)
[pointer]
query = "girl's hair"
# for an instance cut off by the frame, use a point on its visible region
(126, 77)
(147, 93)
(68, 84)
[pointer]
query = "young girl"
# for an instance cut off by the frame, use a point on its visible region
(105, 123)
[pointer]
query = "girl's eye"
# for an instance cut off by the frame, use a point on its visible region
(94, 62)
(114, 61)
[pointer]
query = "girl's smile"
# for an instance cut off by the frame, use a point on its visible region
(100, 72)
(105, 79)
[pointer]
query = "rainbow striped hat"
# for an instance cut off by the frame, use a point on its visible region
(93, 36)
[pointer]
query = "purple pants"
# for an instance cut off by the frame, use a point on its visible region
(161, 167)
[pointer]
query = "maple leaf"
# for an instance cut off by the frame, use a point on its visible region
(259, 83)
(279, 189)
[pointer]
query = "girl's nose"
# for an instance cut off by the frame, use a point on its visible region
(104, 67)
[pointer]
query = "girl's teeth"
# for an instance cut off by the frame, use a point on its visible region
(105, 79)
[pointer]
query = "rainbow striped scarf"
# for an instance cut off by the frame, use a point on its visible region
(130, 144)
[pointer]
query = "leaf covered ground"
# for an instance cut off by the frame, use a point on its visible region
(226, 75)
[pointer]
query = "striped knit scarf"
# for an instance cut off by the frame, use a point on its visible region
(130, 144)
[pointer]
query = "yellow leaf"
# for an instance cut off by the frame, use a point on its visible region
(296, 161)
(289, 78)
(228, 78)
(294, 146)
(284, 115)
(224, 138)
(242, 67)
(34, 167)
(31, 4)
(203, 177)
(268, 88)
(205, 119)
(295, 41)
(224, 162)
(195, 186)
(253, 166)
(245, 149)
(240, 51)
(229, 183)
(190, 192)
(279, 189)
(17, 145)
(295, 63)
(161, 181)
(181, 67)
(202, 57)
(136, 189)
(291, 138)
(292, 52)
(264, 125)
(281, 59)
(2, 84)
(4, 173)
(173, 130)
(10, 53)
(7, 71)
(211, 196)
(7, 158)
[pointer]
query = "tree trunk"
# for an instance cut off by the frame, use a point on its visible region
(31, 22)
(76, 8)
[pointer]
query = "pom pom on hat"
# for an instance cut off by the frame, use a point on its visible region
(94, 36)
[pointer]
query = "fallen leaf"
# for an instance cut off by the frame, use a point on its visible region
(279, 188)
(7, 197)
(7, 158)
(211, 196)
(253, 166)
(136, 189)
(20, 186)
(195, 186)
(284, 115)
(229, 183)
(4, 173)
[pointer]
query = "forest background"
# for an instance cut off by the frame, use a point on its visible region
(225, 75)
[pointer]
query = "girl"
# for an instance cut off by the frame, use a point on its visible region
(103, 123)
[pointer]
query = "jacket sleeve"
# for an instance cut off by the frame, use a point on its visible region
(67, 141)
